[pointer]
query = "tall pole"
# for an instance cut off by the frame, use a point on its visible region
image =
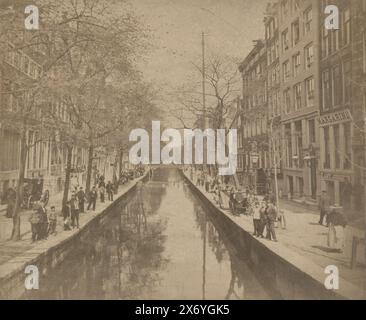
(204, 258)
(203, 80)
(204, 98)
(364, 170)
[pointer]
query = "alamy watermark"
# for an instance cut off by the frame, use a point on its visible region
(32, 279)
(332, 19)
(332, 279)
(221, 147)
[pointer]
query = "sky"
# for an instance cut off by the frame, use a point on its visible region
(176, 28)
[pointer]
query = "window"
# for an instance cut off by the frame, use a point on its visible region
(334, 43)
(278, 103)
(285, 40)
(309, 56)
(297, 96)
(308, 17)
(364, 51)
(336, 146)
(346, 35)
(347, 149)
(312, 133)
(259, 126)
(309, 92)
(287, 100)
(286, 70)
(295, 32)
(264, 125)
(296, 62)
(327, 91)
(326, 148)
(337, 86)
(347, 81)
(299, 147)
(284, 8)
(325, 42)
(288, 145)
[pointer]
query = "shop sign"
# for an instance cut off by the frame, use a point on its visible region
(335, 117)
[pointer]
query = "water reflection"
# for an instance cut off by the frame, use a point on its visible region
(163, 245)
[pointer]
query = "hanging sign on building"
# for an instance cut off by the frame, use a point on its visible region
(335, 117)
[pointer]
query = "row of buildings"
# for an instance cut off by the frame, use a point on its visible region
(303, 104)
(20, 65)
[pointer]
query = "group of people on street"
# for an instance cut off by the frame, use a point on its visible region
(76, 205)
(264, 212)
(265, 216)
(43, 223)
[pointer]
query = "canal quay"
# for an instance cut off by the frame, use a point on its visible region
(172, 242)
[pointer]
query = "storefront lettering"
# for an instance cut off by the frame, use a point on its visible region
(335, 117)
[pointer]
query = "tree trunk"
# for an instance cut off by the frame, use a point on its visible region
(67, 178)
(15, 234)
(89, 168)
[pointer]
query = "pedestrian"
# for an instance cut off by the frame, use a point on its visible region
(44, 221)
(256, 219)
(263, 219)
(271, 213)
(324, 205)
(81, 199)
(10, 198)
(101, 192)
(35, 221)
(74, 211)
(92, 198)
(109, 189)
(52, 218)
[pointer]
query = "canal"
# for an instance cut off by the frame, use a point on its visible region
(166, 247)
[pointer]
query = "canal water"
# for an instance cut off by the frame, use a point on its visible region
(166, 246)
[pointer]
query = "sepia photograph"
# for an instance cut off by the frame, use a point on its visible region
(175, 150)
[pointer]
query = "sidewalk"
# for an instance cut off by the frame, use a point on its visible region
(11, 249)
(305, 237)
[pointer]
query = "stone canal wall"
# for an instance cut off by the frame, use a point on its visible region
(47, 255)
(291, 275)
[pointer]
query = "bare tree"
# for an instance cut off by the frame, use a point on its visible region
(222, 88)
